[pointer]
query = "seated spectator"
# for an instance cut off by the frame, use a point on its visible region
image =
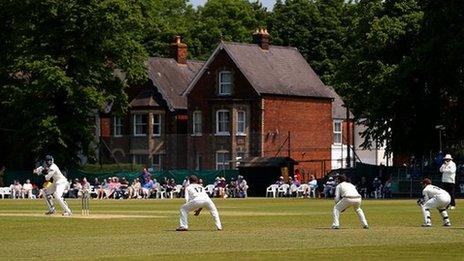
(75, 188)
(16, 189)
(85, 187)
(147, 188)
(387, 189)
(280, 181)
(170, 186)
(101, 191)
(27, 190)
(124, 187)
(134, 189)
(294, 185)
(312, 185)
(363, 187)
(377, 186)
(329, 188)
(232, 189)
(96, 186)
(221, 187)
(242, 187)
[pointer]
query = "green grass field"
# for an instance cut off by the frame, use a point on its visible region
(256, 229)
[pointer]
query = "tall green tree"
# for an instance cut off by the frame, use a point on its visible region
(227, 20)
(317, 28)
(59, 65)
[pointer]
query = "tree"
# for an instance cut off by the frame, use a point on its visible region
(227, 20)
(59, 65)
(317, 28)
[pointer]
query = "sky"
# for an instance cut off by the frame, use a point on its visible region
(266, 3)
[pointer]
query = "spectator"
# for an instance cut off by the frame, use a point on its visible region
(280, 181)
(147, 188)
(329, 187)
(170, 185)
(363, 187)
(101, 191)
(124, 187)
(312, 185)
(377, 185)
(134, 189)
(75, 188)
(16, 189)
(85, 187)
(221, 187)
(232, 189)
(297, 175)
(387, 188)
(242, 187)
(294, 185)
(27, 189)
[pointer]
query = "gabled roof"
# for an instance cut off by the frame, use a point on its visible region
(171, 79)
(338, 106)
(144, 99)
(279, 70)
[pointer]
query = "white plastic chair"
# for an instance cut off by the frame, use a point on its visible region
(161, 192)
(302, 189)
(272, 189)
(312, 191)
(176, 191)
(283, 190)
(5, 191)
(210, 190)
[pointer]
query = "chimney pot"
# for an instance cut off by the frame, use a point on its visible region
(178, 50)
(261, 37)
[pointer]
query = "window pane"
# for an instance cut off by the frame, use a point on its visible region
(241, 122)
(156, 124)
(222, 121)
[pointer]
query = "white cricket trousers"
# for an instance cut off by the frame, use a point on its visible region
(440, 202)
(57, 190)
(195, 204)
(345, 203)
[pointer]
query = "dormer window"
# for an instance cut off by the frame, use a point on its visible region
(225, 83)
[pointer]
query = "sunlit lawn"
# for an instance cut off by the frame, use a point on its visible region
(277, 229)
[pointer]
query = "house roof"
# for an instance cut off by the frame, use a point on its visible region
(261, 162)
(171, 79)
(338, 106)
(144, 99)
(279, 70)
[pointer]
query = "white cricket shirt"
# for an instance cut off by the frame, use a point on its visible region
(195, 191)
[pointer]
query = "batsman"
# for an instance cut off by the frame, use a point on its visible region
(52, 173)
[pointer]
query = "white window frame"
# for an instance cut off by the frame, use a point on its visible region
(222, 165)
(117, 125)
(135, 124)
(197, 123)
(241, 124)
(159, 158)
(222, 83)
(218, 123)
(156, 115)
(140, 156)
(337, 133)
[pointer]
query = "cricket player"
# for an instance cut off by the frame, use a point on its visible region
(434, 197)
(52, 172)
(346, 196)
(197, 199)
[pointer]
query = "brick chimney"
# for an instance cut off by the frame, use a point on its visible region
(261, 38)
(178, 50)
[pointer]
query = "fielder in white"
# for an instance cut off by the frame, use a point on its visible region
(434, 197)
(346, 196)
(52, 172)
(197, 199)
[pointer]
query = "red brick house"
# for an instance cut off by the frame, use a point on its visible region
(258, 100)
(154, 132)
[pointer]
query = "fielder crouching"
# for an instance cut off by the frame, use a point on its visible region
(346, 196)
(51, 171)
(434, 197)
(197, 199)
